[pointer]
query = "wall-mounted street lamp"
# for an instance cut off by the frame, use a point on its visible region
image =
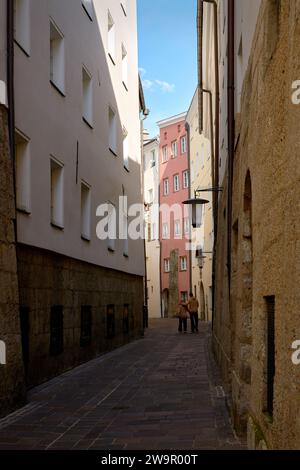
(197, 202)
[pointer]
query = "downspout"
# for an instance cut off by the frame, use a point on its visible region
(231, 132)
(188, 130)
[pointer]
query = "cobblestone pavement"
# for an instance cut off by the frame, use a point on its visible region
(161, 392)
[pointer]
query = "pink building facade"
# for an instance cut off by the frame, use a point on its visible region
(174, 217)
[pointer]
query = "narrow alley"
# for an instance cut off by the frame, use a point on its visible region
(160, 392)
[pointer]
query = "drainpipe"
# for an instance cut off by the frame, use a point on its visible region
(188, 130)
(217, 117)
(231, 131)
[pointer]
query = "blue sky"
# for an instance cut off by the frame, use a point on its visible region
(167, 56)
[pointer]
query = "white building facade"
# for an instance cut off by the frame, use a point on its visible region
(78, 146)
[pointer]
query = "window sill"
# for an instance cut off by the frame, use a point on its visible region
(57, 226)
(113, 152)
(111, 58)
(87, 12)
(85, 238)
(57, 89)
(87, 123)
(22, 48)
(111, 250)
(23, 210)
(126, 255)
(126, 169)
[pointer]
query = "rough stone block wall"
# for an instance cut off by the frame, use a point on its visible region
(47, 279)
(268, 150)
(12, 390)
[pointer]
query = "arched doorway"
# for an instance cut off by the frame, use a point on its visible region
(165, 303)
(202, 303)
(247, 286)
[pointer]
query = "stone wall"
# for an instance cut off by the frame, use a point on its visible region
(12, 391)
(266, 234)
(46, 280)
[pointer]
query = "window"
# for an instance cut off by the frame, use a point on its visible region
(150, 196)
(86, 326)
(110, 321)
(174, 149)
(112, 229)
(167, 265)
(22, 24)
(57, 58)
(87, 92)
(187, 225)
(111, 38)
(22, 173)
(165, 229)
(166, 187)
(86, 206)
(124, 67)
(126, 319)
(185, 179)
(177, 228)
(183, 263)
(165, 153)
(88, 7)
(112, 131)
(56, 330)
(176, 183)
(154, 234)
(153, 159)
(57, 193)
(270, 353)
(124, 6)
(125, 149)
(183, 144)
(179, 128)
(149, 232)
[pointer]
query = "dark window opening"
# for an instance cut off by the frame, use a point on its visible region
(110, 321)
(25, 329)
(56, 330)
(270, 353)
(86, 326)
(126, 319)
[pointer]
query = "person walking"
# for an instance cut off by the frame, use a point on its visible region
(193, 307)
(182, 316)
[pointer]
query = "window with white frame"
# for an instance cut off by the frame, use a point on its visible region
(111, 38)
(88, 7)
(184, 297)
(23, 180)
(87, 96)
(125, 149)
(186, 182)
(150, 196)
(112, 229)
(112, 122)
(183, 263)
(167, 265)
(177, 228)
(166, 186)
(22, 24)
(124, 6)
(165, 231)
(124, 67)
(153, 158)
(174, 149)
(183, 144)
(57, 57)
(57, 193)
(176, 183)
(86, 209)
(165, 153)
(186, 225)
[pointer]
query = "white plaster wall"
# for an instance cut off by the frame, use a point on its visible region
(54, 124)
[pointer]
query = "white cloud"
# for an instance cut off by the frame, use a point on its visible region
(165, 86)
(142, 71)
(147, 84)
